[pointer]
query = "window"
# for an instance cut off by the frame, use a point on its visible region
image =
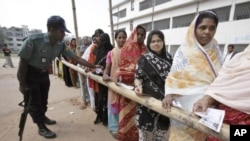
(9, 39)
(9, 34)
(149, 3)
(158, 2)
(19, 45)
(131, 25)
(120, 14)
(182, 21)
(19, 35)
(10, 44)
(242, 11)
(162, 24)
(240, 47)
(223, 13)
(145, 4)
(132, 5)
(147, 26)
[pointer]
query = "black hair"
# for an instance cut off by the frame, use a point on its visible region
(161, 36)
(118, 31)
(141, 27)
(98, 31)
(207, 14)
(231, 45)
(104, 47)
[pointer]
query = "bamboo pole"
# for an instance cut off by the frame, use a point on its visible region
(111, 22)
(187, 118)
(76, 29)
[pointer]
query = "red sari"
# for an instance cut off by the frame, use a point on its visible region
(130, 53)
(233, 117)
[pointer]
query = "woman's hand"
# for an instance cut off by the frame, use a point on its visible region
(167, 102)
(138, 90)
(202, 104)
(106, 78)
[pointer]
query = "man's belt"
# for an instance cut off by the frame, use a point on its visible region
(36, 70)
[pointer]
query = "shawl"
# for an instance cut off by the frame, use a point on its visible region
(194, 66)
(115, 55)
(92, 59)
(130, 53)
(231, 87)
(153, 70)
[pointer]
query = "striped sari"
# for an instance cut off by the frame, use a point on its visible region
(130, 53)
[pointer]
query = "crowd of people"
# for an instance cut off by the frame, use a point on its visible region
(197, 77)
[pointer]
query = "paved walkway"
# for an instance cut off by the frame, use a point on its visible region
(72, 123)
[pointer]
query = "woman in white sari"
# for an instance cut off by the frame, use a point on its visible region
(195, 66)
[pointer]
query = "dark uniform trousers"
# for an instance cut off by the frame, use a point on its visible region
(39, 83)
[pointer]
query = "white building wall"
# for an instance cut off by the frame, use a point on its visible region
(228, 32)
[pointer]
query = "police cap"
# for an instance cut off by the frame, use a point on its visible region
(57, 21)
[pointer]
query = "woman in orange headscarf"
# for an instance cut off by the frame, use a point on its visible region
(195, 66)
(130, 53)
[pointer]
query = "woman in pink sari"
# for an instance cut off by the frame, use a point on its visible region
(109, 74)
(230, 91)
(130, 53)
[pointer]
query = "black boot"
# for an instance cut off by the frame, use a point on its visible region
(49, 121)
(44, 131)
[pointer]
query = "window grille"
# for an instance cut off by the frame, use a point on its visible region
(162, 24)
(147, 26)
(242, 11)
(182, 21)
(223, 13)
(149, 3)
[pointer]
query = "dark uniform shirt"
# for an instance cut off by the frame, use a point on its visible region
(39, 52)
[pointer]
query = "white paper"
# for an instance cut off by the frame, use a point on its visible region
(212, 118)
(98, 70)
(176, 103)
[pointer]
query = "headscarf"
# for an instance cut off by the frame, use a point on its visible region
(231, 87)
(103, 49)
(130, 53)
(194, 66)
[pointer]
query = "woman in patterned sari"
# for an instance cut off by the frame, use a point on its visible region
(195, 66)
(130, 53)
(230, 91)
(151, 72)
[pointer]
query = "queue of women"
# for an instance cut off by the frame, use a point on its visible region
(194, 77)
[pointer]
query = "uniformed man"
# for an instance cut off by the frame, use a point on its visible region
(36, 55)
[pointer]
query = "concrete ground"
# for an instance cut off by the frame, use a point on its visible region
(72, 122)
